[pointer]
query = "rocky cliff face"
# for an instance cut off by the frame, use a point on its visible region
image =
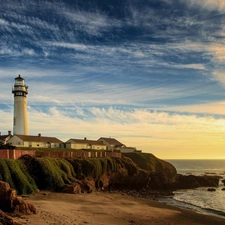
(134, 171)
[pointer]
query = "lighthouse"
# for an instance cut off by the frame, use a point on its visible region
(20, 118)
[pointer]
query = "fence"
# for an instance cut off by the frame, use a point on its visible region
(16, 154)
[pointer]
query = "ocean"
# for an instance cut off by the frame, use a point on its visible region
(199, 199)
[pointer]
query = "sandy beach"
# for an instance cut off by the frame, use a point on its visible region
(108, 208)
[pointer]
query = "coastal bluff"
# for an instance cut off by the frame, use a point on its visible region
(134, 171)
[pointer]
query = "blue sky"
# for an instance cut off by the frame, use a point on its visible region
(147, 72)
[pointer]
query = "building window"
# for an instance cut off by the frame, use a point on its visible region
(37, 144)
(14, 121)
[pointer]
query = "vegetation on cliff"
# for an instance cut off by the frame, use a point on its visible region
(15, 173)
(149, 162)
(131, 171)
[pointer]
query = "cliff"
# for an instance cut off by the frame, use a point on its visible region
(132, 171)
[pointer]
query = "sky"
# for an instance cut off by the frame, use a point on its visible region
(149, 73)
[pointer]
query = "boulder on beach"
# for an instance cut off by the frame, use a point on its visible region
(9, 202)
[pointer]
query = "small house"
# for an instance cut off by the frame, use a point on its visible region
(4, 139)
(85, 144)
(112, 144)
(35, 141)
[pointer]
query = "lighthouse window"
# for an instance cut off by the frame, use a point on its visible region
(18, 82)
(14, 121)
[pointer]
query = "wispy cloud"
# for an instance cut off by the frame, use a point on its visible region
(209, 4)
(150, 131)
(219, 76)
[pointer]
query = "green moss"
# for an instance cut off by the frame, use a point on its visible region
(5, 173)
(14, 173)
(48, 174)
(145, 161)
(93, 167)
(151, 163)
(51, 173)
(20, 179)
(65, 166)
(128, 164)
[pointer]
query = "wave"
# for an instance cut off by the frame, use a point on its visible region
(191, 206)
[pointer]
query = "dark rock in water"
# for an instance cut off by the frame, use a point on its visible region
(211, 189)
(223, 189)
(191, 181)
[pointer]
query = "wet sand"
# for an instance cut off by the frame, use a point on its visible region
(108, 209)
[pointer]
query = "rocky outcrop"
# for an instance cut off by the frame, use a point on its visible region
(7, 220)
(9, 202)
(191, 181)
(80, 186)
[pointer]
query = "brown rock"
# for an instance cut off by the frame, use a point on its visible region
(4, 187)
(9, 202)
(6, 220)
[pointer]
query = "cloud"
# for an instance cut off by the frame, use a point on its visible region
(219, 76)
(210, 108)
(209, 4)
(217, 51)
(157, 132)
(94, 23)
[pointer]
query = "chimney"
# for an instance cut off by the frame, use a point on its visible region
(9, 132)
(39, 135)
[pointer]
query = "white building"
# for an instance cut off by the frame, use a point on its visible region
(20, 118)
(85, 144)
(112, 144)
(35, 141)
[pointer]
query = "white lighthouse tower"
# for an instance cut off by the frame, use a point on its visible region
(20, 118)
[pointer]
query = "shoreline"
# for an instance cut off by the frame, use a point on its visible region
(188, 206)
(100, 208)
